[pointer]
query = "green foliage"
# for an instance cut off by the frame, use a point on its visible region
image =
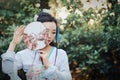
(112, 18)
(90, 45)
(21, 12)
(113, 38)
(84, 45)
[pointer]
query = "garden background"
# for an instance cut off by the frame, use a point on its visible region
(89, 29)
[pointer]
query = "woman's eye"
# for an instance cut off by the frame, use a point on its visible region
(54, 32)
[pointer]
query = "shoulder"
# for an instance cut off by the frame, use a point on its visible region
(61, 52)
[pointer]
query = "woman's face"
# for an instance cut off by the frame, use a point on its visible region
(51, 28)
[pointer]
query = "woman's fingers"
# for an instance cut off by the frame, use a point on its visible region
(18, 34)
(19, 30)
(44, 59)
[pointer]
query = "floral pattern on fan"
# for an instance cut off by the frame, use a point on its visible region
(35, 36)
(32, 39)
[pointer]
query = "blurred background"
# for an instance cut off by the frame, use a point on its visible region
(89, 29)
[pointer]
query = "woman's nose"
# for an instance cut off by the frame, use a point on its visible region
(49, 34)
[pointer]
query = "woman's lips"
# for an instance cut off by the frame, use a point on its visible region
(49, 41)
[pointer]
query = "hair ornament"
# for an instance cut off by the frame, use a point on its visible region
(35, 17)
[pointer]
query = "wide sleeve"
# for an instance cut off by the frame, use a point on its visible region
(61, 71)
(10, 64)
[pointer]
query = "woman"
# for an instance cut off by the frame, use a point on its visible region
(54, 60)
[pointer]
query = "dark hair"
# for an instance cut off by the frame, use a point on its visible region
(46, 17)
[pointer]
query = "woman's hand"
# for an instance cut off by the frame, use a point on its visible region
(44, 59)
(17, 37)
